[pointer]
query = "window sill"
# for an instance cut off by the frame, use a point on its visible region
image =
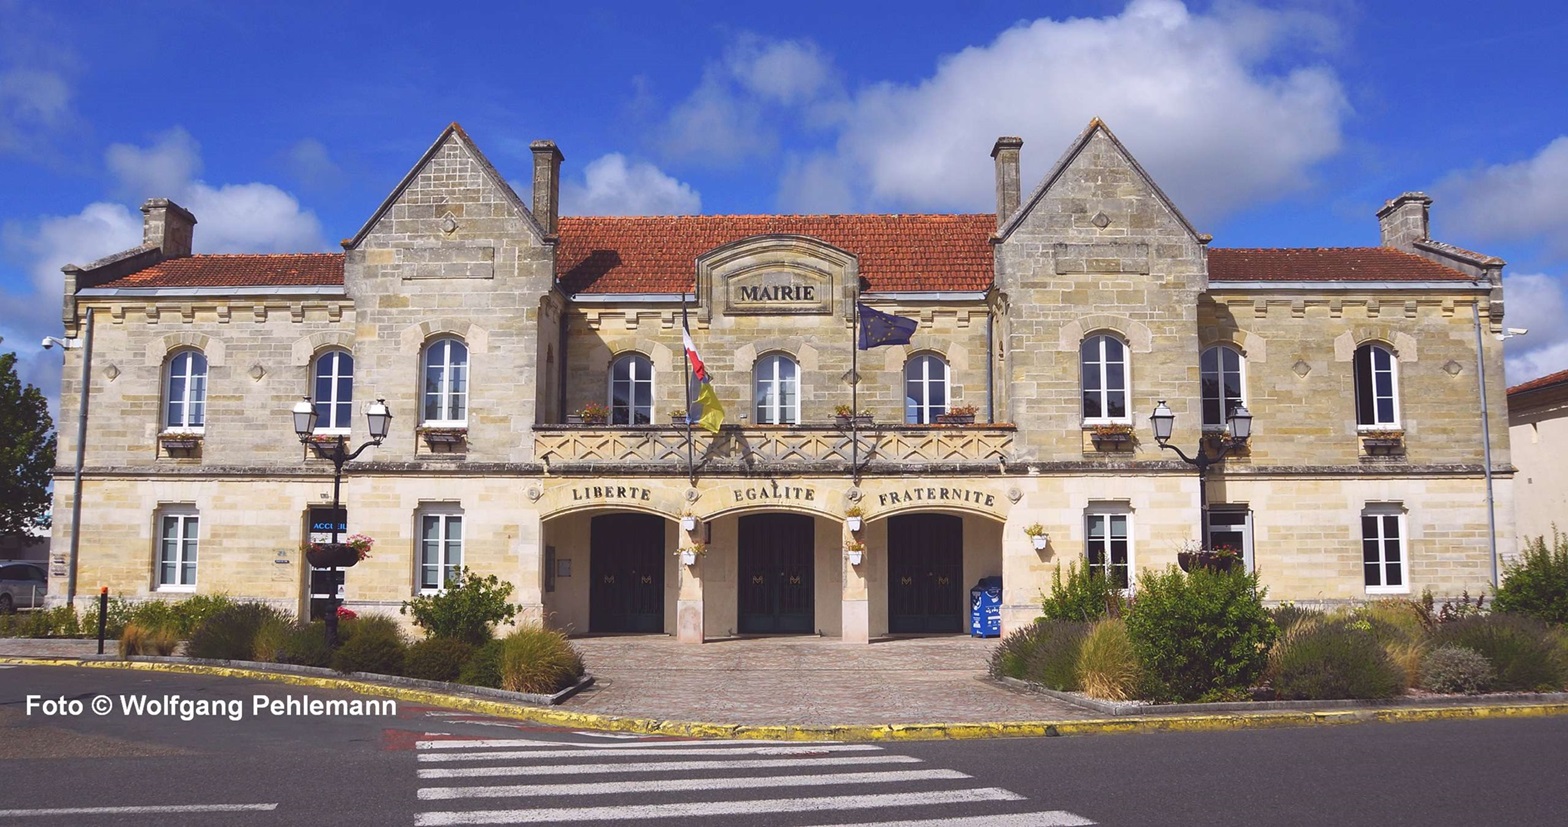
(1388, 589)
(176, 589)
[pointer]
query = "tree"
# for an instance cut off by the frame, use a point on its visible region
(27, 443)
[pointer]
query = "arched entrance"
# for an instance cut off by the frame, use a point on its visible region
(774, 570)
(626, 573)
(925, 558)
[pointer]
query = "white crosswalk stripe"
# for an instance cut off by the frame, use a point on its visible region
(597, 782)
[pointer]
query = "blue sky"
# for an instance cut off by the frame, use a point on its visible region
(283, 125)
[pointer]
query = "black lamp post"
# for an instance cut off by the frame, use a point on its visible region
(336, 451)
(1240, 423)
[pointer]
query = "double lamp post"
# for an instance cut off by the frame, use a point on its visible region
(334, 449)
(1239, 420)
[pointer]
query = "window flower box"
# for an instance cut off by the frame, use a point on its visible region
(961, 415)
(844, 416)
(444, 439)
(1112, 435)
(593, 413)
(1383, 442)
(180, 444)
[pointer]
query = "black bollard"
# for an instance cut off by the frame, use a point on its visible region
(103, 615)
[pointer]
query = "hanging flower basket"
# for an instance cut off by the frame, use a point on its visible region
(1039, 541)
(1211, 560)
(688, 557)
(854, 523)
(688, 523)
(330, 555)
(855, 557)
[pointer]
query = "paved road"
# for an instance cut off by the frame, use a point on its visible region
(432, 766)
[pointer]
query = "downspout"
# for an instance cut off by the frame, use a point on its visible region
(1486, 442)
(561, 366)
(81, 444)
(990, 364)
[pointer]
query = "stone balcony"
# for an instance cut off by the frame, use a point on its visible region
(757, 449)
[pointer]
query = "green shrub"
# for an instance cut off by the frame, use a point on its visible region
(538, 660)
(137, 639)
(483, 668)
(1286, 615)
(119, 613)
(1519, 648)
(190, 612)
(230, 632)
(437, 659)
(467, 611)
(1537, 584)
(271, 639)
(305, 645)
(1333, 659)
(1200, 635)
(371, 643)
(1456, 670)
(1086, 596)
(1044, 652)
(1396, 619)
(1107, 663)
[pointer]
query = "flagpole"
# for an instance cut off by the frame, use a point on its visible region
(854, 394)
(691, 466)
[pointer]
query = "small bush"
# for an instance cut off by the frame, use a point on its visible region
(1107, 662)
(1396, 620)
(1518, 647)
(437, 659)
(305, 645)
(1044, 652)
(1537, 585)
(467, 611)
(190, 612)
(483, 668)
(1456, 670)
(271, 638)
(372, 643)
(230, 632)
(539, 660)
(1333, 659)
(136, 639)
(119, 613)
(1200, 634)
(1086, 596)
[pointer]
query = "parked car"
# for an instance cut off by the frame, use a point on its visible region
(22, 586)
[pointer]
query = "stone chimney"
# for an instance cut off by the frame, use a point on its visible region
(1403, 220)
(547, 185)
(1005, 151)
(167, 226)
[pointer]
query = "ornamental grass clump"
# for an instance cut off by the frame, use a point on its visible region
(483, 667)
(1202, 635)
(137, 639)
(1519, 648)
(1044, 652)
(305, 645)
(538, 660)
(437, 659)
(1455, 670)
(1107, 663)
(1331, 659)
(229, 633)
(371, 643)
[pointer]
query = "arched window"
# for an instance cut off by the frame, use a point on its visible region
(925, 389)
(778, 390)
(1221, 372)
(334, 391)
(631, 390)
(187, 391)
(1104, 369)
(1377, 386)
(446, 383)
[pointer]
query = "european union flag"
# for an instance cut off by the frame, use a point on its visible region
(878, 328)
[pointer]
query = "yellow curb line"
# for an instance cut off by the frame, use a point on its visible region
(859, 732)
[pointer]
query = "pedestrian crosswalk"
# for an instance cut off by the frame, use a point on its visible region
(657, 780)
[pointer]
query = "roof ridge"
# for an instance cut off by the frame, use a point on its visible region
(1540, 382)
(786, 216)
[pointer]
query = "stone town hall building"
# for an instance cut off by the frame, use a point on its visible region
(484, 320)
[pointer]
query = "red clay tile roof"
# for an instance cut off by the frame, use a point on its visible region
(1325, 264)
(242, 270)
(658, 254)
(1536, 384)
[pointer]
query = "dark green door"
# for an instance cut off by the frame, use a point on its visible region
(626, 564)
(775, 592)
(925, 561)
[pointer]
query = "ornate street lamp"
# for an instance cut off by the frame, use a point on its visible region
(1240, 424)
(335, 450)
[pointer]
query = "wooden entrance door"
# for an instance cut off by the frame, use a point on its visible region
(626, 564)
(925, 560)
(776, 587)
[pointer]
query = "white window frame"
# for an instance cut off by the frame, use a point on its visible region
(1110, 513)
(443, 519)
(1100, 364)
(1203, 388)
(447, 399)
(1392, 372)
(1382, 513)
(188, 522)
(327, 409)
(920, 410)
(187, 398)
(628, 412)
(1244, 528)
(769, 390)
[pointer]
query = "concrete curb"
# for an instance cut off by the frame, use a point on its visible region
(871, 732)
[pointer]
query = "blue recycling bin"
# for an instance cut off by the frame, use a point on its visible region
(985, 608)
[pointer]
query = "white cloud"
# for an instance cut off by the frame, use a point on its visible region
(1538, 302)
(160, 170)
(613, 186)
(35, 94)
(311, 165)
(1195, 97)
(1523, 200)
